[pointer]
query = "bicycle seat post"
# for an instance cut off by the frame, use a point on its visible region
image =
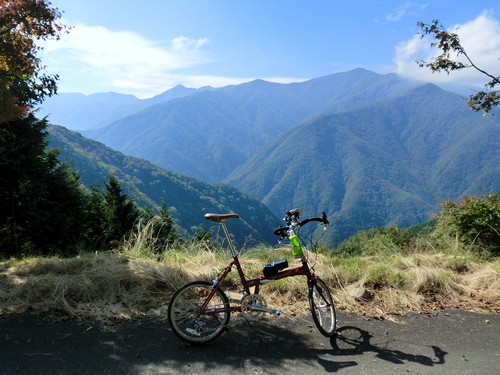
(220, 219)
(229, 242)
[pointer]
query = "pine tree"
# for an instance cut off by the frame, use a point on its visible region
(120, 213)
(93, 222)
(41, 199)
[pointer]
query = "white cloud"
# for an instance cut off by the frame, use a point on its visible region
(480, 39)
(123, 61)
(95, 59)
(183, 43)
(408, 8)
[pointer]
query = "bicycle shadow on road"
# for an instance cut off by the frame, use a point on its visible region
(350, 340)
(32, 345)
(265, 345)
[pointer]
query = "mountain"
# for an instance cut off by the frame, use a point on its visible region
(387, 163)
(187, 199)
(80, 112)
(175, 92)
(209, 134)
(369, 149)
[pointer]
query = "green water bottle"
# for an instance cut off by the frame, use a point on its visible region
(294, 242)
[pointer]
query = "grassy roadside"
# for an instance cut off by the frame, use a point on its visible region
(106, 287)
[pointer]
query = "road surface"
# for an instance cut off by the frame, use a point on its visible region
(449, 342)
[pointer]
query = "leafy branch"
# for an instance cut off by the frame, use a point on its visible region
(449, 43)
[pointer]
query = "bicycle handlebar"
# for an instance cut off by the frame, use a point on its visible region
(282, 231)
(321, 219)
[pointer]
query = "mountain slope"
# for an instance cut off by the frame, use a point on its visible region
(209, 134)
(187, 198)
(386, 164)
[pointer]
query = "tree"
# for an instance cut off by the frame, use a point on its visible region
(23, 81)
(93, 221)
(42, 202)
(120, 213)
(448, 43)
(41, 199)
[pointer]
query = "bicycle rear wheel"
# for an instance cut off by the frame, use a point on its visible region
(186, 319)
(322, 307)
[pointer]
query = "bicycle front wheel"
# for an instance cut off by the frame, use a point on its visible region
(322, 307)
(187, 320)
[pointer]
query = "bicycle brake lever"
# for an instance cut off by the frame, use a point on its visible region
(324, 219)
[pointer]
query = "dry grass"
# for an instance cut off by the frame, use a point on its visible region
(136, 282)
(104, 286)
(414, 283)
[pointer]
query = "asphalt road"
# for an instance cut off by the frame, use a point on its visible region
(450, 342)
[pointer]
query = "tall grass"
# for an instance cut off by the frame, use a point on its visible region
(139, 278)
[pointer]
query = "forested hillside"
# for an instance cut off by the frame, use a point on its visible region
(186, 198)
(386, 164)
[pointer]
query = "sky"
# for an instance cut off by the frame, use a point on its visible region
(145, 48)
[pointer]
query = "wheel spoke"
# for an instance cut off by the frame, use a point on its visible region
(184, 312)
(322, 307)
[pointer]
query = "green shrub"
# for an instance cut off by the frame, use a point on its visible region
(474, 220)
(376, 241)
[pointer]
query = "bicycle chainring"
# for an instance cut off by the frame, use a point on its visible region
(249, 304)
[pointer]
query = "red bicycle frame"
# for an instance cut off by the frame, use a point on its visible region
(256, 282)
(199, 311)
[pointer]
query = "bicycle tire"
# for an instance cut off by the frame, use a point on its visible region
(183, 313)
(322, 307)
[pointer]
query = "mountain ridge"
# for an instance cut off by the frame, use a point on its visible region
(209, 134)
(384, 164)
(370, 149)
(81, 112)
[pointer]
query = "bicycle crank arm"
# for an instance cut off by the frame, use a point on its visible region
(268, 310)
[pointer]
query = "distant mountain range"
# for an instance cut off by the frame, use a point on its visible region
(82, 112)
(209, 134)
(370, 149)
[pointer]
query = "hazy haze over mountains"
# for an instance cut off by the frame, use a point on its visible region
(81, 112)
(208, 135)
(369, 149)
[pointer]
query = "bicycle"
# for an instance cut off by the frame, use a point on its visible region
(199, 311)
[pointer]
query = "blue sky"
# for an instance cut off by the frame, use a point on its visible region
(144, 48)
